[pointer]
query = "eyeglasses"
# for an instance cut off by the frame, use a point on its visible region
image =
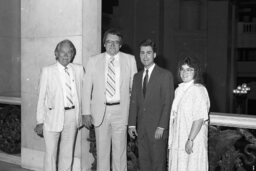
(109, 42)
(187, 70)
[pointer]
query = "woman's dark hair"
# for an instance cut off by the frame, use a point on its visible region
(60, 44)
(194, 63)
(113, 31)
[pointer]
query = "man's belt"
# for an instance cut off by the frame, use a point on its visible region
(68, 108)
(111, 104)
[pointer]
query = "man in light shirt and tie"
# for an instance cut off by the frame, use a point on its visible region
(105, 101)
(58, 108)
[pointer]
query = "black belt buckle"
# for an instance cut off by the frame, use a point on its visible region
(111, 104)
(68, 108)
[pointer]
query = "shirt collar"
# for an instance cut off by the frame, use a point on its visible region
(186, 85)
(116, 57)
(150, 69)
(61, 67)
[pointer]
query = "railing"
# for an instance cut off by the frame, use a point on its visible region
(232, 142)
(10, 100)
(233, 120)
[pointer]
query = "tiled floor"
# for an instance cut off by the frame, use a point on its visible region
(10, 167)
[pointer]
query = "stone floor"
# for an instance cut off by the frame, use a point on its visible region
(10, 167)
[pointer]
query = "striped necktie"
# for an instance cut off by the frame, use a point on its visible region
(68, 88)
(111, 77)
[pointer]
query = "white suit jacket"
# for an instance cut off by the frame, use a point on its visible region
(50, 107)
(93, 94)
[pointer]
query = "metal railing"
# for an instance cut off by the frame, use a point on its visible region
(233, 120)
(10, 100)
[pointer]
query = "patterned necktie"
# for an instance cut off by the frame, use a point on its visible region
(111, 83)
(145, 82)
(68, 88)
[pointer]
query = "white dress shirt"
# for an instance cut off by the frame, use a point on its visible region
(150, 69)
(116, 97)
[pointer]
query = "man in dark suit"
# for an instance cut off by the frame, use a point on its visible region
(151, 100)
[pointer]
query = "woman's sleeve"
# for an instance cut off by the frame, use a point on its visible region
(201, 103)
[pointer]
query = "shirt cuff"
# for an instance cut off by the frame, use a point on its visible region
(160, 128)
(132, 126)
(39, 122)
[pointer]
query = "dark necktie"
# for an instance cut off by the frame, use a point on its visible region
(145, 82)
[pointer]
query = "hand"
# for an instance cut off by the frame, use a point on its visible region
(189, 146)
(39, 130)
(87, 121)
(159, 133)
(132, 132)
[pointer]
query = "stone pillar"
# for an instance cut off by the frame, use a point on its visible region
(43, 24)
(91, 45)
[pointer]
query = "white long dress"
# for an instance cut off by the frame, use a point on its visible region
(191, 103)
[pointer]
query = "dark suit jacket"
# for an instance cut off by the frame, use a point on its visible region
(154, 110)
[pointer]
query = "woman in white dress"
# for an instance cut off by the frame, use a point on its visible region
(188, 122)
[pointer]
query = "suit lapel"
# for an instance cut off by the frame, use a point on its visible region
(102, 66)
(74, 73)
(57, 74)
(141, 86)
(100, 70)
(77, 81)
(122, 68)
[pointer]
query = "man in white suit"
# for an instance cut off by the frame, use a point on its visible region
(58, 108)
(105, 101)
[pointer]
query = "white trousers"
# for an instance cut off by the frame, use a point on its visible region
(65, 140)
(111, 134)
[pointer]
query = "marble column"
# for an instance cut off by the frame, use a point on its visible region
(43, 24)
(91, 45)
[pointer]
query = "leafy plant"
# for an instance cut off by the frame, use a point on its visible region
(10, 129)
